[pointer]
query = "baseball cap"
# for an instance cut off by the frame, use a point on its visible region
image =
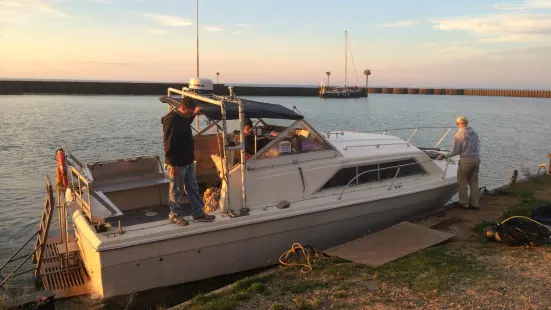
(189, 103)
(462, 119)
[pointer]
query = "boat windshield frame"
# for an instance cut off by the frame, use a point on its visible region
(256, 109)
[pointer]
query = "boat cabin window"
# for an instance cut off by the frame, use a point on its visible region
(375, 173)
(258, 133)
(297, 140)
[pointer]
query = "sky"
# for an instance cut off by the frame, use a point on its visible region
(409, 43)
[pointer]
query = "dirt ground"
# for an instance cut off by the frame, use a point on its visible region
(467, 272)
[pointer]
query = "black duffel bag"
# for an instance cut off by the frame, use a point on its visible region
(542, 214)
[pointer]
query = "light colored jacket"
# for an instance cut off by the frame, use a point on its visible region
(466, 143)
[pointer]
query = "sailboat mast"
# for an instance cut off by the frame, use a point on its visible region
(197, 51)
(197, 33)
(345, 57)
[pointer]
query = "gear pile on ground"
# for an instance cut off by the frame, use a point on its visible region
(523, 231)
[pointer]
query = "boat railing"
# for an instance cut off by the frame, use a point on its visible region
(416, 129)
(377, 145)
(385, 131)
(378, 170)
(78, 183)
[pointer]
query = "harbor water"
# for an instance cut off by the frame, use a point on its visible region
(512, 132)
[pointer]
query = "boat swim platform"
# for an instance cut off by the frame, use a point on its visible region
(64, 284)
(389, 244)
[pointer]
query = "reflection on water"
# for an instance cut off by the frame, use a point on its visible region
(512, 131)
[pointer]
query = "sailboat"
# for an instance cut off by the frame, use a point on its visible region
(342, 92)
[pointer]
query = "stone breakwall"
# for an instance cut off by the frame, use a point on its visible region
(142, 88)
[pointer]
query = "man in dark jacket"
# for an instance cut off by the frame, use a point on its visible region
(179, 156)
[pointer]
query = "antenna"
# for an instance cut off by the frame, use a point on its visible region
(197, 32)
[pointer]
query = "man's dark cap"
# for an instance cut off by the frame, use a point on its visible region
(189, 103)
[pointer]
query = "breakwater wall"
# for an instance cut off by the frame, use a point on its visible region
(142, 88)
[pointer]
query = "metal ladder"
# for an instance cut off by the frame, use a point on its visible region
(41, 238)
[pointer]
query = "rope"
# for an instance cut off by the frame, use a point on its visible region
(353, 63)
(526, 218)
(297, 249)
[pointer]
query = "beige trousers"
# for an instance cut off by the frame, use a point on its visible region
(467, 177)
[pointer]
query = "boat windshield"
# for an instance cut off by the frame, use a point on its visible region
(297, 139)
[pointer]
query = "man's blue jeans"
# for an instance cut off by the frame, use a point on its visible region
(185, 179)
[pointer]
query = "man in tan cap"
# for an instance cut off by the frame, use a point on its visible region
(467, 145)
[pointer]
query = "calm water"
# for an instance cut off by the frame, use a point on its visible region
(512, 132)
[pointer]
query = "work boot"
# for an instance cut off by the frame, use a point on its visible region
(176, 219)
(204, 218)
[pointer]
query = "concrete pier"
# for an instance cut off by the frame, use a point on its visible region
(454, 91)
(157, 89)
(400, 91)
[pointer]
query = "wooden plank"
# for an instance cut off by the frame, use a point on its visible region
(389, 244)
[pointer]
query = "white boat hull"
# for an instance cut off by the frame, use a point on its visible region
(167, 262)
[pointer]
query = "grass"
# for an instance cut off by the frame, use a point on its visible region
(229, 299)
(277, 306)
(302, 303)
(340, 294)
(525, 191)
(528, 202)
(432, 269)
(479, 228)
(297, 287)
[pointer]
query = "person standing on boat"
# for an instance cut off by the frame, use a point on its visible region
(467, 145)
(179, 156)
(250, 147)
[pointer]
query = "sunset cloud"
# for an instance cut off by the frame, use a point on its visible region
(212, 28)
(168, 21)
(527, 5)
(500, 27)
(403, 23)
(18, 11)
(158, 32)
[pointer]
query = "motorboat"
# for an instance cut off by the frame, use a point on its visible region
(305, 185)
(301, 184)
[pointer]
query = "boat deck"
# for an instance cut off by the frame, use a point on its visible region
(147, 215)
(64, 284)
